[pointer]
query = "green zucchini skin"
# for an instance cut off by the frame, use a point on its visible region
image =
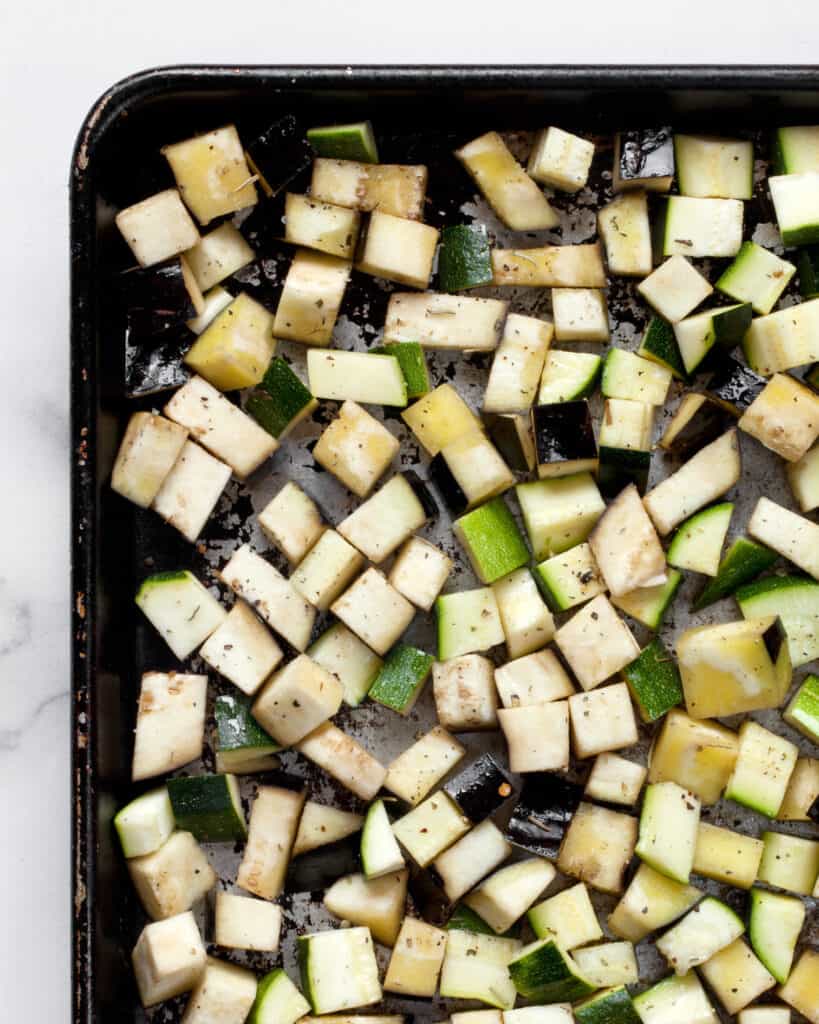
(611, 1006)
(544, 973)
(742, 562)
(208, 806)
(654, 681)
(492, 539)
(465, 259)
(731, 325)
(280, 400)
(659, 344)
(238, 733)
(413, 365)
(620, 467)
(401, 678)
(345, 142)
(808, 268)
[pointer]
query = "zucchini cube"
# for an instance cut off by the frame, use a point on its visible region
(789, 862)
(598, 846)
(765, 1015)
(225, 991)
(602, 720)
(439, 418)
(703, 932)
(244, 923)
(311, 298)
(669, 820)
(537, 736)
(356, 448)
(349, 659)
(492, 540)
(506, 895)
(235, 349)
(398, 250)
(609, 963)
(796, 204)
(420, 767)
(157, 228)
(568, 918)
(802, 986)
(643, 158)
(783, 340)
(580, 314)
(274, 821)
(469, 471)
(517, 364)
(209, 807)
(758, 276)
(468, 621)
(297, 700)
(339, 969)
(281, 400)
(543, 972)
(321, 825)
(191, 491)
(420, 571)
(145, 823)
(727, 856)
(654, 681)
(550, 266)
(292, 521)
(803, 478)
(464, 690)
(322, 226)
(559, 513)
(173, 878)
(802, 713)
(564, 439)
(526, 620)
(168, 959)
(561, 160)
(649, 604)
(570, 578)
(792, 536)
(568, 376)
(674, 999)
(397, 189)
(365, 377)
(430, 828)
(170, 725)
(651, 901)
(469, 860)
(464, 259)
(374, 610)
(401, 679)
(146, 456)
(416, 960)
(785, 417)
(212, 174)
(477, 967)
(243, 747)
(388, 518)
(615, 780)
(413, 365)
(698, 755)
(694, 227)
(596, 643)
(345, 141)
(762, 770)
(737, 976)
(534, 679)
(628, 375)
(218, 255)
(624, 227)
(376, 904)
(675, 289)
(802, 792)
(716, 167)
(328, 568)
(345, 760)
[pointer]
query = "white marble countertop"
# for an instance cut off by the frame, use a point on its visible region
(55, 59)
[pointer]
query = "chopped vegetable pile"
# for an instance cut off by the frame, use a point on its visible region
(546, 883)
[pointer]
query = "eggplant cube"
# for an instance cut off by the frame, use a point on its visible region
(356, 448)
(225, 992)
(297, 700)
(580, 314)
(564, 439)
(242, 649)
(537, 678)
(157, 228)
(602, 720)
(218, 255)
(598, 847)
(526, 620)
(615, 780)
(626, 547)
(537, 736)
(327, 569)
(311, 298)
(675, 289)
(596, 643)
(419, 572)
(212, 174)
(420, 767)
(416, 959)
(349, 659)
(274, 821)
(191, 490)
(465, 695)
(475, 471)
(170, 880)
(459, 323)
(340, 756)
(241, 922)
(323, 226)
(146, 455)
(292, 521)
(546, 806)
(399, 250)
(785, 417)
(643, 158)
(430, 828)
(568, 917)
(439, 417)
(480, 788)
(374, 611)
(561, 160)
(699, 756)
(170, 727)
(235, 350)
(168, 959)
(518, 364)
(388, 518)
(465, 863)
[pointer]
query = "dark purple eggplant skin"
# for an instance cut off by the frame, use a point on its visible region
(422, 493)
(448, 487)
(481, 788)
(159, 293)
(735, 385)
(708, 423)
(427, 894)
(813, 811)
(282, 155)
(774, 638)
(543, 813)
(646, 153)
(318, 869)
(503, 433)
(151, 369)
(563, 432)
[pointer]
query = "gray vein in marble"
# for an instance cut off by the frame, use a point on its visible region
(10, 738)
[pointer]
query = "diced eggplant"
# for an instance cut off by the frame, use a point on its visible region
(698, 421)
(280, 155)
(481, 788)
(511, 433)
(564, 438)
(428, 895)
(164, 290)
(543, 813)
(735, 385)
(644, 158)
(444, 479)
(318, 869)
(150, 369)
(422, 493)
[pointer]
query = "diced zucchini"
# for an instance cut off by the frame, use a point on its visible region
(209, 807)
(374, 611)
(550, 266)
(191, 491)
(469, 860)
(706, 476)
(714, 167)
(440, 321)
(787, 533)
(570, 578)
(697, 755)
(171, 879)
(439, 418)
(492, 540)
(338, 969)
(147, 454)
(643, 158)
(743, 560)
(695, 227)
(615, 780)
(796, 149)
(344, 759)
(311, 298)
(675, 289)
(559, 513)
(274, 821)
(321, 825)
(802, 791)
(358, 376)
(626, 547)
(704, 931)
(659, 344)
(612, 1005)
(757, 276)
(697, 335)
(170, 724)
(327, 568)
(281, 400)
(568, 376)
(401, 678)
(463, 685)
(477, 967)
(624, 228)
(319, 225)
(517, 364)
(609, 963)
(240, 922)
(430, 828)
(182, 611)
(649, 604)
(168, 959)
(654, 681)
(144, 824)
(727, 856)
(157, 228)
(212, 174)
(467, 621)
(419, 572)
(783, 340)
(398, 250)
(560, 160)
(345, 141)
(698, 421)
(469, 471)
(297, 699)
(413, 365)
(675, 1000)
(526, 620)
(343, 655)
(508, 189)
(416, 959)
(796, 204)
(803, 710)
(697, 545)
(626, 375)
(243, 747)
(506, 895)
(773, 1014)
(537, 678)
(596, 643)
(626, 431)
(651, 901)
(537, 736)
(598, 846)
(464, 259)
(668, 830)
(803, 478)
(420, 767)
(543, 972)
(380, 852)
(218, 255)
(292, 521)
(801, 991)
(580, 314)
(774, 926)
(789, 862)
(278, 1001)
(235, 350)
(762, 769)
(736, 976)
(242, 649)
(568, 918)
(356, 448)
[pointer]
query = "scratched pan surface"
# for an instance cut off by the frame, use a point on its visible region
(420, 116)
